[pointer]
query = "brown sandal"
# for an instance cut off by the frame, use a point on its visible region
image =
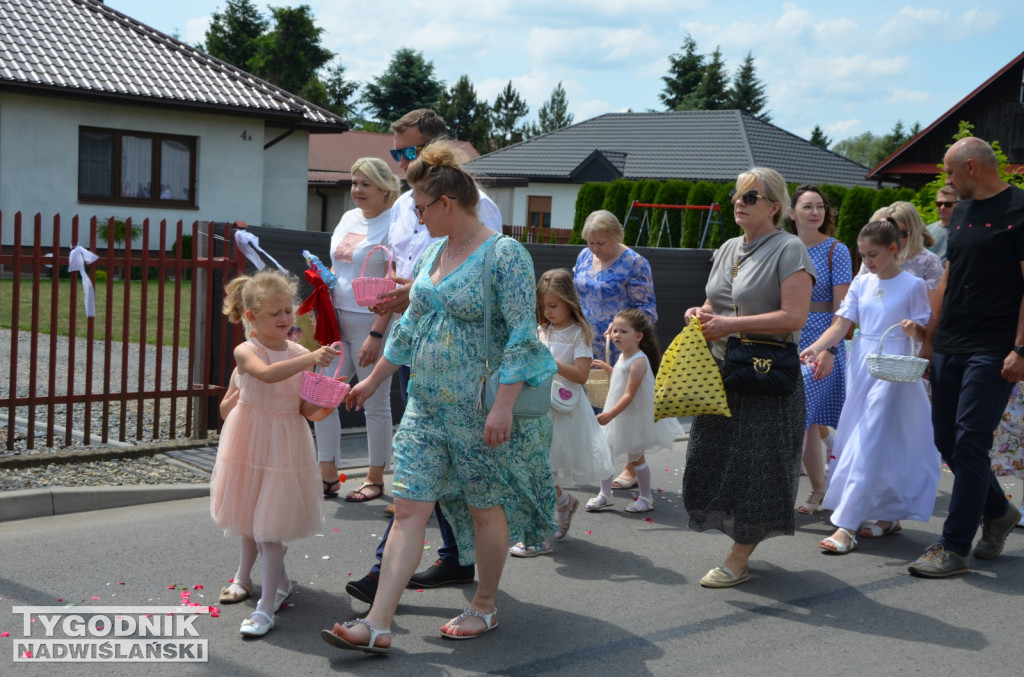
(363, 498)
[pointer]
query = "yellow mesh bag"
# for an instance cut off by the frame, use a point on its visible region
(688, 381)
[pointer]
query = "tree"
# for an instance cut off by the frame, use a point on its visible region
(684, 74)
(406, 84)
(290, 55)
(861, 148)
(818, 137)
(553, 114)
(856, 211)
(507, 111)
(339, 91)
(747, 91)
(713, 91)
(233, 34)
(468, 118)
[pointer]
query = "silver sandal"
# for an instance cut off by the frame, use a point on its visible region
(340, 642)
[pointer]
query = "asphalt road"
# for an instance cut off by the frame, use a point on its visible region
(619, 595)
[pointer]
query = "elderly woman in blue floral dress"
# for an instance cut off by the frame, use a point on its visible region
(610, 277)
(489, 471)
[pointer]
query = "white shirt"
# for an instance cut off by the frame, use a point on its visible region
(353, 239)
(410, 238)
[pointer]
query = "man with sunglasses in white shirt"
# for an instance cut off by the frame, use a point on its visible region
(409, 239)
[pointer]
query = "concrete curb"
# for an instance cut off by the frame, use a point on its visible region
(28, 503)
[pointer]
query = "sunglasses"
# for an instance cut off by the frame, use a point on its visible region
(749, 198)
(409, 153)
(945, 204)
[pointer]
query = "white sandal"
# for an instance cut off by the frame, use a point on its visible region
(486, 618)
(251, 627)
(641, 504)
(831, 545)
(340, 642)
(281, 596)
(520, 549)
(598, 503)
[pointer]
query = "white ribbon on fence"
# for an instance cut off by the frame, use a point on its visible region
(246, 242)
(78, 259)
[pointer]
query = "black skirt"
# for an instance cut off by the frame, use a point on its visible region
(742, 472)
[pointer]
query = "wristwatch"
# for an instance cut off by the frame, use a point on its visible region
(1019, 350)
(835, 350)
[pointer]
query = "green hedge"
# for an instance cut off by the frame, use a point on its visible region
(589, 199)
(672, 192)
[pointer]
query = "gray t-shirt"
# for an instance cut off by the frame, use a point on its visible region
(760, 267)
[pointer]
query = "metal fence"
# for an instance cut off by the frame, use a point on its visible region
(63, 385)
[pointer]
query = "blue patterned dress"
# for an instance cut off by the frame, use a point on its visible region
(439, 450)
(626, 283)
(825, 397)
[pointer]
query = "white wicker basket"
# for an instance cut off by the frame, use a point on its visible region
(896, 368)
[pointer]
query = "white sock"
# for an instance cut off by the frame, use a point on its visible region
(563, 501)
(829, 440)
(643, 481)
(246, 559)
(606, 488)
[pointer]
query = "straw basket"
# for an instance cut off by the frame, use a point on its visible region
(597, 382)
(324, 391)
(367, 289)
(896, 368)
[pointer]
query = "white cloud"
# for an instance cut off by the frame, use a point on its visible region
(195, 30)
(840, 129)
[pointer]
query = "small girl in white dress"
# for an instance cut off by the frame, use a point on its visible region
(628, 414)
(887, 466)
(579, 452)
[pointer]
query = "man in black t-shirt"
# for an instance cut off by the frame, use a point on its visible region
(976, 341)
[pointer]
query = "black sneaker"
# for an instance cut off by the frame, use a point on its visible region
(442, 574)
(994, 533)
(365, 589)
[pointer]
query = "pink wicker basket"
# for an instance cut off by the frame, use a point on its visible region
(322, 390)
(367, 289)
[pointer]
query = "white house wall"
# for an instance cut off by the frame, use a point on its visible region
(285, 179)
(237, 180)
(563, 203)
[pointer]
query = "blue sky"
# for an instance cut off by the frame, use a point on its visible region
(850, 67)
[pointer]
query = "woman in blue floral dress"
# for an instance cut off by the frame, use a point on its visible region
(810, 213)
(489, 471)
(610, 277)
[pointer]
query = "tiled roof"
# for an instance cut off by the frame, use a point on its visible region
(690, 145)
(331, 156)
(84, 48)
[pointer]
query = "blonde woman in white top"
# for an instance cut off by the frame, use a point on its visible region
(374, 189)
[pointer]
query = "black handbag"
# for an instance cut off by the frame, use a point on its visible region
(760, 366)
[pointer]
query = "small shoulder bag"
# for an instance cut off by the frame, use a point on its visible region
(759, 365)
(533, 401)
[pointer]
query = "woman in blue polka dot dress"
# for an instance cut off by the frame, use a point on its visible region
(810, 213)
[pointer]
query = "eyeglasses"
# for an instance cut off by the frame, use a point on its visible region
(749, 198)
(946, 204)
(419, 210)
(409, 152)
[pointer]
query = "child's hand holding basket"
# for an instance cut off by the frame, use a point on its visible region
(322, 390)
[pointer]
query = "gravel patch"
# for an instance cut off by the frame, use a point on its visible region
(115, 473)
(138, 361)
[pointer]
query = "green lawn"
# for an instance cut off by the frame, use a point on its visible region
(26, 302)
